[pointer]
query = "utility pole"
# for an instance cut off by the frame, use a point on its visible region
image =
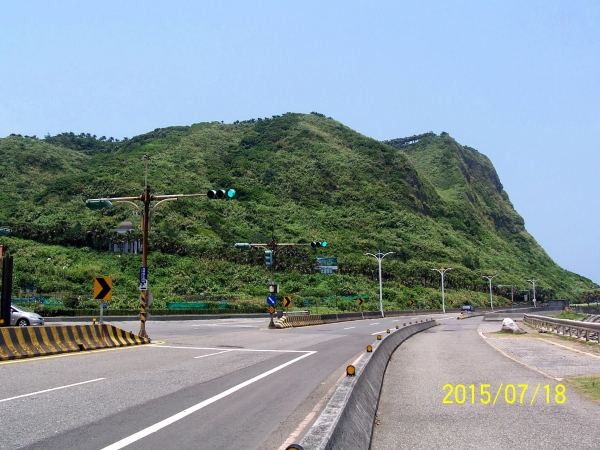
(490, 278)
(146, 199)
(379, 256)
(442, 271)
(271, 249)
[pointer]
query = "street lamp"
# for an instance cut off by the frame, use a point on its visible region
(490, 278)
(533, 281)
(442, 271)
(379, 255)
(512, 301)
(146, 198)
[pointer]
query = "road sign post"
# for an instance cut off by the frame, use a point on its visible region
(271, 301)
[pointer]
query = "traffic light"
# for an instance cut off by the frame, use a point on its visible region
(221, 193)
(318, 244)
(242, 245)
(268, 258)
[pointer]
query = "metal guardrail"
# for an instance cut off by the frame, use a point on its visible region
(572, 328)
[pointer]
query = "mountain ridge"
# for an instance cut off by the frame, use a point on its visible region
(430, 199)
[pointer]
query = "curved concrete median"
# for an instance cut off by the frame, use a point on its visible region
(347, 421)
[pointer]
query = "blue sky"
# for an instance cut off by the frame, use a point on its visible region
(517, 80)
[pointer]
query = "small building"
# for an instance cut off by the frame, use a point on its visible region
(124, 243)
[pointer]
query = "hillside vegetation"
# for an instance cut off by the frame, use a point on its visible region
(303, 177)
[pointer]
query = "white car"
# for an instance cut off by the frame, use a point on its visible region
(20, 317)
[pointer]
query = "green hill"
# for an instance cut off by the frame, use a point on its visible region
(431, 200)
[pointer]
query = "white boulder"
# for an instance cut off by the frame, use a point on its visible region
(509, 326)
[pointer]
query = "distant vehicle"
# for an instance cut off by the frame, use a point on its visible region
(545, 304)
(21, 317)
(517, 304)
(467, 308)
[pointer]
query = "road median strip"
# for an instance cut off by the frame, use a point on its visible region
(28, 342)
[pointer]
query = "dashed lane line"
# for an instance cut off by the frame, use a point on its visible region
(52, 389)
(211, 354)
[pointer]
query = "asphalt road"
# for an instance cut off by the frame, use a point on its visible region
(209, 384)
(428, 369)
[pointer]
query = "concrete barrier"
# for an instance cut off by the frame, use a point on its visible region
(298, 321)
(348, 419)
(27, 342)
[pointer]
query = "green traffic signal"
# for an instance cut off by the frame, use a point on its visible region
(5, 231)
(220, 193)
(318, 244)
(268, 258)
(98, 204)
(242, 245)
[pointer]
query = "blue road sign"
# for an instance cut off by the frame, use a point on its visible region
(143, 278)
(271, 300)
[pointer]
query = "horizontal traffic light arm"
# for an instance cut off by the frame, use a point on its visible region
(141, 197)
(247, 246)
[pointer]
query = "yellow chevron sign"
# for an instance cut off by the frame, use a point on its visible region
(287, 301)
(102, 288)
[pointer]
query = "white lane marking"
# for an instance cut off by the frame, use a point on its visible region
(211, 354)
(298, 431)
(225, 325)
(186, 412)
(376, 323)
(395, 320)
(53, 389)
(382, 332)
(349, 328)
(232, 349)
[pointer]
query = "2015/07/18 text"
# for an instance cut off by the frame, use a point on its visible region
(461, 394)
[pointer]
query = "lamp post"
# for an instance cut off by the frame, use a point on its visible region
(379, 256)
(146, 198)
(490, 278)
(442, 271)
(512, 301)
(533, 281)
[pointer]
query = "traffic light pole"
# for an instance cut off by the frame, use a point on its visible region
(146, 198)
(273, 246)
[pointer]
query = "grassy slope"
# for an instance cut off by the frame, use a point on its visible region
(434, 203)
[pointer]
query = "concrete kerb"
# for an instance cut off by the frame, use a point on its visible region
(28, 342)
(348, 419)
